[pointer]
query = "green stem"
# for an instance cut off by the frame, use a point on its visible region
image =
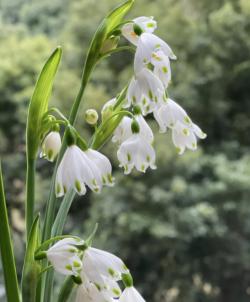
(30, 194)
(8, 261)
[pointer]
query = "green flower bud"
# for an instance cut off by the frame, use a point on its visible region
(91, 116)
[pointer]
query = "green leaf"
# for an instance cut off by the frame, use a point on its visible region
(31, 269)
(8, 261)
(39, 102)
(66, 290)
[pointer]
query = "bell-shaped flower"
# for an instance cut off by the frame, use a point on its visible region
(64, 256)
(124, 131)
(130, 294)
(146, 91)
(51, 146)
(184, 131)
(168, 114)
(99, 264)
(162, 67)
(75, 171)
(136, 152)
(185, 137)
(104, 165)
(144, 24)
(148, 44)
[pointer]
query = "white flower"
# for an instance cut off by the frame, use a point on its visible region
(136, 152)
(76, 170)
(146, 91)
(162, 67)
(88, 291)
(184, 131)
(168, 114)
(98, 265)
(148, 44)
(130, 294)
(104, 165)
(146, 24)
(51, 146)
(185, 137)
(64, 256)
(123, 131)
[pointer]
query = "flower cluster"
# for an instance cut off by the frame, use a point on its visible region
(146, 93)
(97, 272)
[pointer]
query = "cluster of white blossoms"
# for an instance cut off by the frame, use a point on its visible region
(146, 94)
(98, 273)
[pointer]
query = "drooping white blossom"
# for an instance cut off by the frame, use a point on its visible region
(136, 152)
(146, 24)
(162, 67)
(186, 137)
(184, 131)
(51, 146)
(99, 265)
(79, 168)
(146, 91)
(64, 256)
(104, 165)
(123, 131)
(130, 294)
(148, 45)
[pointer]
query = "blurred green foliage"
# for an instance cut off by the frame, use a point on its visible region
(183, 229)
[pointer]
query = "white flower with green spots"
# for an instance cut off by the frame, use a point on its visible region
(99, 265)
(184, 131)
(80, 168)
(124, 131)
(143, 24)
(51, 146)
(136, 152)
(148, 45)
(64, 256)
(146, 91)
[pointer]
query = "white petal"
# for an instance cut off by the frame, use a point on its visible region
(130, 294)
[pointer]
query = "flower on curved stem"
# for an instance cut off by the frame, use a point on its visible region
(144, 24)
(79, 168)
(51, 146)
(146, 91)
(64, 256)
(136, 152)
(184, 131)
(124, 131)
(148, 44)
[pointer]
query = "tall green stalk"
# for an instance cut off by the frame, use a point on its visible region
(9, 267)
(30, 194)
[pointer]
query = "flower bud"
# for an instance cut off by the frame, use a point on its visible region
(51, 146)
(91, 116)
(107, 109)
(109, 44)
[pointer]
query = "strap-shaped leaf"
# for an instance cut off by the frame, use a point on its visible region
(31, 269)
(6, 248)
(39, 102)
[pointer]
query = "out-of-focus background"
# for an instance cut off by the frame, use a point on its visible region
(184, 229)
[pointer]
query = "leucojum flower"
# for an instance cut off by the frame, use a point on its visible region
(98, 273)
(81, 164)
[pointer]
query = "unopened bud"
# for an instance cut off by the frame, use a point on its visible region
(108, 109)
(91, 116)
(51, 146)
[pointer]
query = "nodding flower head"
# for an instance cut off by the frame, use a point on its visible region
(132, 30)
(146, 91)
(136, 152)
(80, 168)
(64, 256)
(51, 146)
